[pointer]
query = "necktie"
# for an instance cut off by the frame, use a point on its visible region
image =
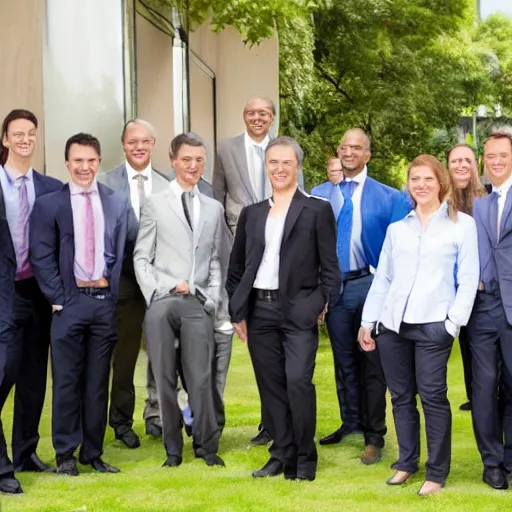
(336, 200)
(141, 190)
(187, 199)
(259, 172)
(24, 211)
(89, 235)
(345, 225)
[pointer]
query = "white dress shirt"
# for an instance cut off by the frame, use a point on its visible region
(178, 191)
(357, 258)
(502, 192)
(256, 165)
(133, 183)
(267, 277)
(425, 276)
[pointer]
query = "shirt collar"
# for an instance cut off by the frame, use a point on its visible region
(176, 188)
(76, 189)
(12, 175)
(359, 178)
(132, 172)
(263, 144)
(503, 189)
(443, 209)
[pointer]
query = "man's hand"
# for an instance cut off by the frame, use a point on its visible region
(55, 308)
(323, 313)
(182, 288)
(366, 341)
(241, 330)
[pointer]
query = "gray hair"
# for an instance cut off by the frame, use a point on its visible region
(188, 139)
(266, 99)
(141, 122)
(291, 143)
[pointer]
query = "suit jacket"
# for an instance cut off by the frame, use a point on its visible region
(380, 206)
(309, 275)
(231, 182)
(117, 180)
(42, 185)
(495, 252)
(52, 243)
(168, 253)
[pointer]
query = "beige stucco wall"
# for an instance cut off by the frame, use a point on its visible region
(21, 60)
(154, 86)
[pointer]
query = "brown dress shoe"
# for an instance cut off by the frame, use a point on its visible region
(371, 455)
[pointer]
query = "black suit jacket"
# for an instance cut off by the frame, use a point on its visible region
(309, 274)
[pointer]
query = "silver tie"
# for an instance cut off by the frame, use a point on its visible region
(141, 191)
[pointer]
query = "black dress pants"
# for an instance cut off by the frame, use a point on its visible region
(25, 341)
(283, 357)
(415, 362)
(467, 363)
(83, 337)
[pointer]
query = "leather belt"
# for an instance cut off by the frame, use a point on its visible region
(356, 274)
(94, 292)
(267, 295)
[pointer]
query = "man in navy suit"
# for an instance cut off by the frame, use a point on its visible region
(77, 239)
(490, 325)
(25, 315)
(363, 208)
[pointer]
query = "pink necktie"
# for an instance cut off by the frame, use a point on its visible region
(89, 235)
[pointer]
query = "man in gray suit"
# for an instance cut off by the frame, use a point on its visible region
(137, 180)
(178, 269)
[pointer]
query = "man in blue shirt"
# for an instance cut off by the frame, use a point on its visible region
(363, 209)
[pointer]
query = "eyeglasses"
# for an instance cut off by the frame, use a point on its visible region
(265, 114)
(133, 143)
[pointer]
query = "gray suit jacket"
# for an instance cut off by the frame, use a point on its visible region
(167, 252)
(231, 182)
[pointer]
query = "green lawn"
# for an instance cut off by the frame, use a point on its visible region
(342, 483)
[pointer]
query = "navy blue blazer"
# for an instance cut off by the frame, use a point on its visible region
(495, 253)
(52, 242)
(42, 185)
(380, 206)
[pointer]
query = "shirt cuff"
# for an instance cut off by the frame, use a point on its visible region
(225, 327)
(452, 328)
(367, 325)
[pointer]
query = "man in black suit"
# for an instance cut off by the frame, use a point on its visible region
(25, 314)
(282, 274)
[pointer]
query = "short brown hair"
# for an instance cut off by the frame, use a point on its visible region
(497, 136)
(14, 115)
(82, 139)
(444, 177)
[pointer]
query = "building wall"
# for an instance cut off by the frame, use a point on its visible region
(155, 87)
(21, 60)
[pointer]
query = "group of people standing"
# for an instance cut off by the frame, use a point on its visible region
(90, 266)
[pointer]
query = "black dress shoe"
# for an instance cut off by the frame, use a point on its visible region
(273, 467)
(495, 477)
(337, 436)
(102, 467)
(34, 463)
(213, 459)
(173, 461)
(188, 430)
(466, 406)
(153, 429)
(10, 486)
(129, 438)
(68, 467)
(305, 476)
(261, 439)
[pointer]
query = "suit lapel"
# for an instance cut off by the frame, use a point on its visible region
(108, 213)
(177, 207)
(66, 217)
(294, 211)
(203, 213)
(39, 186)
(5, 232)
(505, 216)
(240, 158)
(491, 221)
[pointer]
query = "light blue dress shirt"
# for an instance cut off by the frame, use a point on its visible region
(425, 276)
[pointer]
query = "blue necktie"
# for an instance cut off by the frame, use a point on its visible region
(345, 225)
(336, 200)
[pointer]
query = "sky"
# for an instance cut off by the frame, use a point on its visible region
(490, 6)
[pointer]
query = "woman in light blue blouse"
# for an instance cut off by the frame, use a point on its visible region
(417, 310)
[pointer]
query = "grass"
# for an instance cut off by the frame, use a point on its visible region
(342, 483)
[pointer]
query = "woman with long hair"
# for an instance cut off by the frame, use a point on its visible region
(422, 294)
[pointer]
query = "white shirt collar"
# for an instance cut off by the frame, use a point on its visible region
(443, 209)
(132, 172)
(176, 188)
(263, 144)
(503, 189)
(359, 178)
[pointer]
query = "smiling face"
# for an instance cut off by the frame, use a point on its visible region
(20, 138)
(462, 165)
(498, 160)
(353, 152)
(189, 165)
(83, 164)
(282, 167)
(138, 144)
(258, 118)
(424, 186)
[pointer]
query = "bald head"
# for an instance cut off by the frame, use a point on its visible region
(354, 151)
(259, 113)
(357, 132)
(258, 100)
